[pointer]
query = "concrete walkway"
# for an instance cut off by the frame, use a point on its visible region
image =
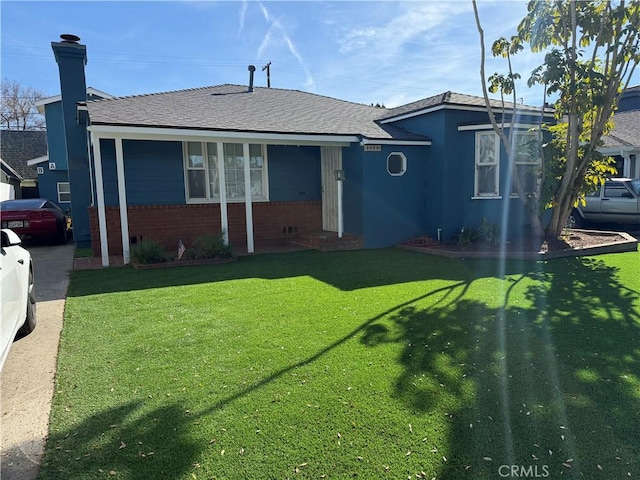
(27, 380)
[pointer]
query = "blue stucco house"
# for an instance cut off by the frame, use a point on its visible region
(268, 164)
(53, 168)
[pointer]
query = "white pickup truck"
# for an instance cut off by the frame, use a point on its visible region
(616, 201)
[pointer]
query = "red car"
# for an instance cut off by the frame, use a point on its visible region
(36, 218)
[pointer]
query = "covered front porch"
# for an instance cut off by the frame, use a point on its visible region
(261, 209)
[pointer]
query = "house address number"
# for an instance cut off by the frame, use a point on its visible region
(373, 148)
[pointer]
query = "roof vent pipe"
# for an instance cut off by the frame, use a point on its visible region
(251, 70)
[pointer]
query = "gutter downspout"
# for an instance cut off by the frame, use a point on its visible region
(93, 193)
(340, 179)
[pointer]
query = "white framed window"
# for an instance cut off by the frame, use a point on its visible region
(396, 164)
(64, 192)
(487, 165)
(527, 151)
(196, 173)
(203, 176)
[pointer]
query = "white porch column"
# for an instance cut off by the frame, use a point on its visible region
(122, 200)
(102, 217)
(247, 197)
(224, 221)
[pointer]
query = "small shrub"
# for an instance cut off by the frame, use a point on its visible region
(490, 232)
(148, 251)
(209, 246)
(467, 236)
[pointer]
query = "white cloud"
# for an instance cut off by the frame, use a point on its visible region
(276, 27)
(243, 14)
(266, 41)
(421, 49)
(411, 26)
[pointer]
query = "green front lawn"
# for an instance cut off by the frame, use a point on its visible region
(82, 252)
(367, 364)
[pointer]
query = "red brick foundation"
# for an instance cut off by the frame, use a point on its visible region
(168, 224)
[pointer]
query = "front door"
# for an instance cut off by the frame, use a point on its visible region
(330, 161)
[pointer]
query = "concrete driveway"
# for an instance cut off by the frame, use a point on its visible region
(26, 383)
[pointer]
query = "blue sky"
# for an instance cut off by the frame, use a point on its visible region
(389, 52)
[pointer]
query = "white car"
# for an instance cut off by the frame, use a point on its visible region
(17, 293)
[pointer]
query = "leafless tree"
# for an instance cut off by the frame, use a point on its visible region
(18, 110)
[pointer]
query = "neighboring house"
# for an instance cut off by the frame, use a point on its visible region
(52, 168)
(264, 164)
(17, 147)
(9, 181)
(623, 142)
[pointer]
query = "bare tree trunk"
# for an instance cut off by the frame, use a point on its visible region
(529, 205)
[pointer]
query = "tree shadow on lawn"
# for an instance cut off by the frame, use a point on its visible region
(122, 441)
(552, 387)
(553, 383)
(345, 270)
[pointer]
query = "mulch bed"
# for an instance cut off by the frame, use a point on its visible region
(582, 239)
(573, 242)
(182, 263)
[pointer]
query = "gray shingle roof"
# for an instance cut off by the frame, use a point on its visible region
(626, 132)
(18, 146)
(448, 98)
(233, 108)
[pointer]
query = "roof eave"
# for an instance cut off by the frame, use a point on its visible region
(8, 168)
(40, 104)
(618, 150)
(453, 106)
(142, 132)
(394, 141)
(37, 160)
